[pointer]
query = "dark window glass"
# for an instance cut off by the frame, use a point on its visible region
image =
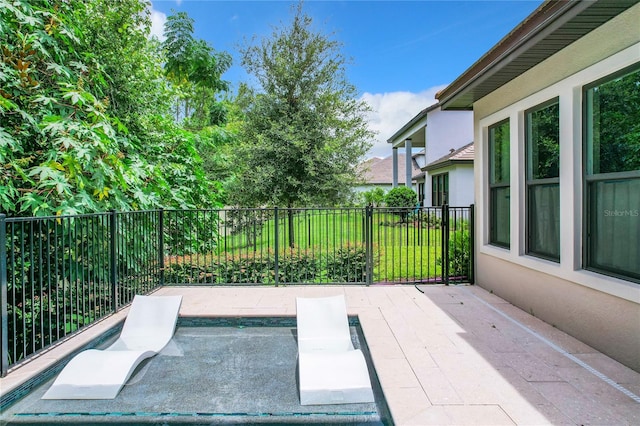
(499, 189)
(542, 180)
(613, 125)
(612, 175)
(440, 189)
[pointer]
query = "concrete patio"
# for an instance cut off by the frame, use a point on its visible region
(454, 355)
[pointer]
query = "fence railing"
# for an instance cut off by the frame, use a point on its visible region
(60, 274)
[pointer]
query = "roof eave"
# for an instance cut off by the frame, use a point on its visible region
(443, 164)
(421, 115)
(533, 31)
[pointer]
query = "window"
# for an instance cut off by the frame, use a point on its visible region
(499, 190)
(440, 189)
(420, 192)
(612, 175)
(542, 140)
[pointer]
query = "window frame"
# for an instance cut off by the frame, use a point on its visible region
(494, 187)
(531, 183)
(440, 195)
(589, 178)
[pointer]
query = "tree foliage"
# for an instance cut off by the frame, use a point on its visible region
(374, 197)
(178, 32)
(84, 106)
(544, 145)
(401, 196)
(616, 105)
(195, 69)
(304, 130)
(403, 199)
(115, 35)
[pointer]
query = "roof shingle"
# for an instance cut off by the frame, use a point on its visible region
(379, 171)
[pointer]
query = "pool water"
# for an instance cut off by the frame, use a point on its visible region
(214, 371)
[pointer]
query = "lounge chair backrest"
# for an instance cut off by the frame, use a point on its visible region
(151, 322)
(322, 324)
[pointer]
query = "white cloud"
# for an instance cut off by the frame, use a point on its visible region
(393, 110)
(157, 23)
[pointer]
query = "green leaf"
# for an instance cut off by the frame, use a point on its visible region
(33, 203)
(75, 97)
(52, 124)
(61, 70)
(7, 105)
(44, 100)
(79, 66)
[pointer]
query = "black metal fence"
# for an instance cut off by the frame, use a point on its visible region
(60, 274)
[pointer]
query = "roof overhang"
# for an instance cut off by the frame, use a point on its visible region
(442, 164)
(413, 129)
(550, 28)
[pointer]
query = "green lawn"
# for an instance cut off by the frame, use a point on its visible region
(403, 251)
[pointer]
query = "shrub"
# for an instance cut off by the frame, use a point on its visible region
(403, 199)
(190, 273)
(297, 267)
(241, 269)
(433, 221)
(348, 264)
(293, 267)
(374, 197)
(459, 254)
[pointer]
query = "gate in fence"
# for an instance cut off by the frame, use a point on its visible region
(60, 274)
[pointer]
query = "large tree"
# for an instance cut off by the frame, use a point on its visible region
(195, 69)
(115, 36)
(83, 113)
(304, 129)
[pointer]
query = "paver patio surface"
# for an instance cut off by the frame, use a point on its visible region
(444, 355)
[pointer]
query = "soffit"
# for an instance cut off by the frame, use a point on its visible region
(549, 29)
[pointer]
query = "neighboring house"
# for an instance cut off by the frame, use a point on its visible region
(418, 176)
(451, 179)
(378, 173)
(556, 107)
(436, 133)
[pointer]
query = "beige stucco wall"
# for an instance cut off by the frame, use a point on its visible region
(601, 311)
(608, 323)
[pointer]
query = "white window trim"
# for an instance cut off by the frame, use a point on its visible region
(569, 94)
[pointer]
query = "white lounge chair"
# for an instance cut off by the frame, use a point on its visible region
(100, 374)
(331, 371)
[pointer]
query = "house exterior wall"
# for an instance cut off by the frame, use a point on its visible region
(364, 188)
(385, 186)
(602, 321)
(601, 311)
(461, 188)
(447, 130)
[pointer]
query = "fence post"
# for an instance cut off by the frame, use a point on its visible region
(368, 229)
(445, 244)
(276, 243)
(4, 330)
(419, 214)
(472, 243)
(161, 245)
(113, 265)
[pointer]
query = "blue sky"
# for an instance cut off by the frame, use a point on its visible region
(401, 52)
